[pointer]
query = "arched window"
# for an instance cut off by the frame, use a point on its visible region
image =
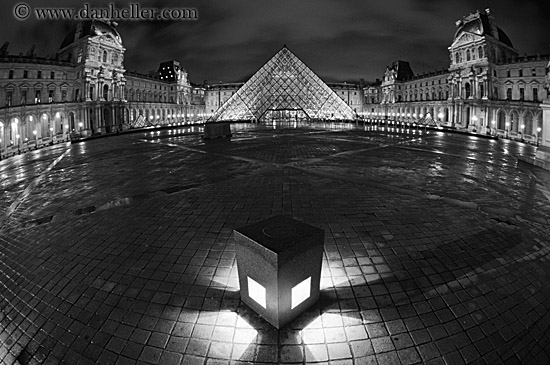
(105, 92)
(467, 55)
(501, 120)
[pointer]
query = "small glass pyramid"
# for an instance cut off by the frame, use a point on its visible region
(284, 85)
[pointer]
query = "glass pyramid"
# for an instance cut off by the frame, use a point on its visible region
(284, 85)
(140, 122)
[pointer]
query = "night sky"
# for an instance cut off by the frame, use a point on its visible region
(340, 40)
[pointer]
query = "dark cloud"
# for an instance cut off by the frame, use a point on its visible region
(340, 40)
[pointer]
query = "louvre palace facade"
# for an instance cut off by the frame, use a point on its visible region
(489, 88)
(84, 89)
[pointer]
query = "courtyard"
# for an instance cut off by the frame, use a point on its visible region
(119, 250)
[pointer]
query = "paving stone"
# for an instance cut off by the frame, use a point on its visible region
(135, 262)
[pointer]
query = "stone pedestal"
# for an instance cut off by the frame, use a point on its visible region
(279, 265)
(217, 130)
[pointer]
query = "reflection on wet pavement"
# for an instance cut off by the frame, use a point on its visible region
(119, 250)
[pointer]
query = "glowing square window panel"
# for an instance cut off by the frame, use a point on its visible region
(301, 292)
(256, 292)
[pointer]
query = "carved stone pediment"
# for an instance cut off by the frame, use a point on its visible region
(466, 38)
(389, 75)
(109, 39)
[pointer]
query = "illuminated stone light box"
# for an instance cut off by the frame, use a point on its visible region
(279, 265)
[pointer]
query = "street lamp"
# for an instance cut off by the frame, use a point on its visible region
(474, 119)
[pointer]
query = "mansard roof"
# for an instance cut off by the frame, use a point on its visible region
(480, 24)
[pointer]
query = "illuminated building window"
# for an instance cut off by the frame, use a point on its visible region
(301, 292)
(257, 292)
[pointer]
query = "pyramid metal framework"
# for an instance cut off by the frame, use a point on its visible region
(140, 122)
(284, 83)
(428, 120)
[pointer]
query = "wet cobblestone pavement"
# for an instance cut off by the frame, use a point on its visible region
(119, 250)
